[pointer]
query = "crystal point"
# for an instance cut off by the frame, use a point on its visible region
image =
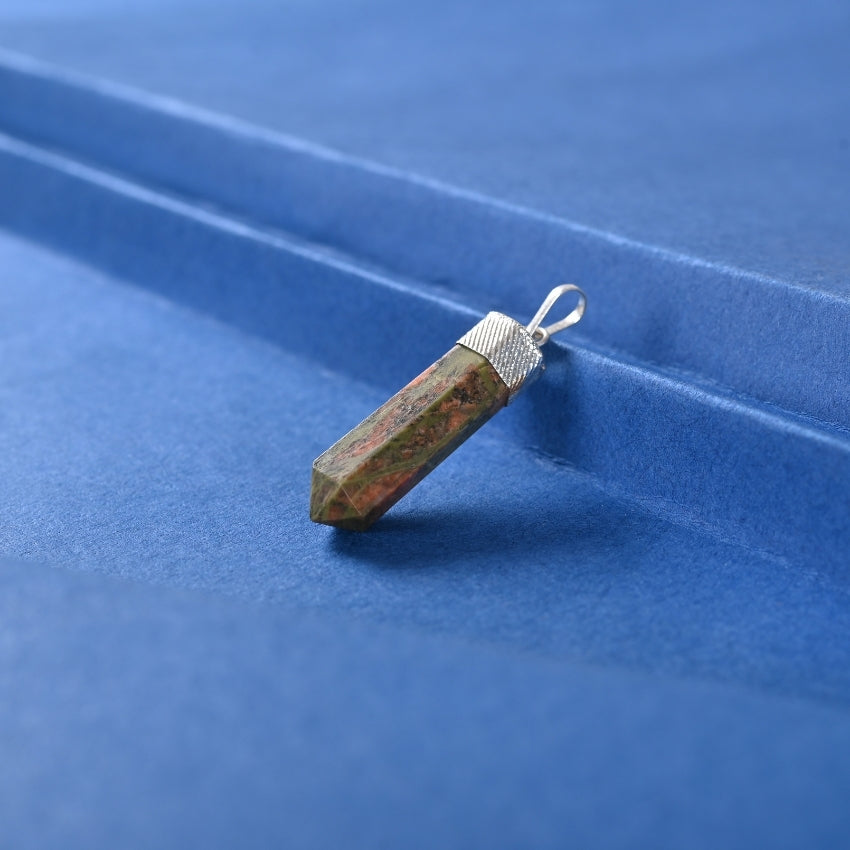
(364, 474)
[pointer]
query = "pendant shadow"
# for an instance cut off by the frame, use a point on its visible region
(484, 535)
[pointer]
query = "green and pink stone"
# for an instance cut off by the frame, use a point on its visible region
(358, 479)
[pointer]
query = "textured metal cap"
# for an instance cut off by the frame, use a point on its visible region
(509, 348)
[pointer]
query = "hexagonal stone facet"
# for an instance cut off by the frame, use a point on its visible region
(363, 475)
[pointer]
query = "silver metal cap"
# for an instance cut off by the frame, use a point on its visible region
(510, 349)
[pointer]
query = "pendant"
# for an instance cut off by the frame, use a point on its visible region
(358, 479)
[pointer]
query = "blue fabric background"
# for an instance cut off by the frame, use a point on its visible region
(618, 617)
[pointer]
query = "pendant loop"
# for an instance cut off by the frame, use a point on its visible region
(541, 335)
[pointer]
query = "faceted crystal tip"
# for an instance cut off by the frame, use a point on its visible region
(331, 505)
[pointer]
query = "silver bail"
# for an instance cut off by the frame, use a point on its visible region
(513, 349)
(541, 335)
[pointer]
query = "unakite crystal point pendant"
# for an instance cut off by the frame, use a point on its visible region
(358, 479)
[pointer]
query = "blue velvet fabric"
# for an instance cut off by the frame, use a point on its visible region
(616, 618)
